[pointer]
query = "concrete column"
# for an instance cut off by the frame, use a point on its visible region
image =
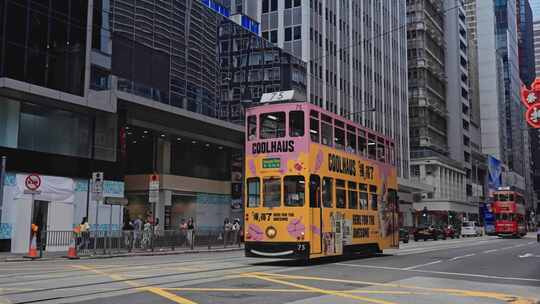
(163, 156)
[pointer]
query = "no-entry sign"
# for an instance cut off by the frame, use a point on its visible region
(32, 182)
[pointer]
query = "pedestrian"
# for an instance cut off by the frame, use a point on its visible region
(84, 228)
(183, 232)
(157, 229)
(227, 228)
(236, 231)
(127, 231)
(137, 231)
(190, 232)
(147, 235)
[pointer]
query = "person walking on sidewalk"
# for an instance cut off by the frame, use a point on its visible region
(227, 228)
(137, 231)
(147, 235)
(183, 232)
(236, 232)
(84, 229)
(190, 232)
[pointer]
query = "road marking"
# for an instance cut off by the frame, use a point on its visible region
(456, 292)
(401, 252)
(529, 255)
(317, 290)
(441, 272)
(422, 265)
(155, 290)
(490, 251)
(238, 289)
(462, 257)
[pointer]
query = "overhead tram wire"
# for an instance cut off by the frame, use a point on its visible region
(381, 34)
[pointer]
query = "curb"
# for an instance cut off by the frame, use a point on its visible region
(126, 255)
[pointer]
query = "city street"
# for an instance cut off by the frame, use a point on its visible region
(470, 270)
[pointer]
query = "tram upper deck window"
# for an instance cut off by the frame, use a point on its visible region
(272, 125)
(372, 147)
(295, 191)
(353, 195)
(351, 139)
(381, 153)
(327, 132)
(254, 192)
(314, 126)
(296, 123)
(252, 127)
(272, 192)
(339, 137)
(362, 143)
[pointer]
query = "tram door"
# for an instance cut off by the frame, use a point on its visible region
(315, 211)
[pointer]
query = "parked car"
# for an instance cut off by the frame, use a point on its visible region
(470, 228)
(404, 235)
(450, 232)
(427, 232)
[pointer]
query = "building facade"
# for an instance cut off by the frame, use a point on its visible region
(504, 135)
(353, 67)
(443, 137)
(128, 88)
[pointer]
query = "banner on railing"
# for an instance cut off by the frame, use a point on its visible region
(52, 189)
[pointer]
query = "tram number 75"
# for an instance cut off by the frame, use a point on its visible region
(301, 247)
(262, 217)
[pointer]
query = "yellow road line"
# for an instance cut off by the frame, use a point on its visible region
(154, 290)
(456, 292)
(239, 290)
(318, 290)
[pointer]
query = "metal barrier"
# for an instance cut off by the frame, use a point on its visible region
(118, 241)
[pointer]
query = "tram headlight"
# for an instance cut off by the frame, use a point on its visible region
(271, 232)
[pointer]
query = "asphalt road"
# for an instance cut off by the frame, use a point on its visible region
(475, 270)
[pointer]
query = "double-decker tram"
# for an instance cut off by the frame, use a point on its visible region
(317, 184)
(509, 212)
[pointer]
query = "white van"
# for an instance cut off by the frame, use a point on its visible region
(469, 228)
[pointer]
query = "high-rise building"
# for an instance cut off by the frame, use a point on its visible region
(536, 39)
(502, 124)
(527, 74)
(442, 134)
(356, 54)
(535, 134)
(535, 7)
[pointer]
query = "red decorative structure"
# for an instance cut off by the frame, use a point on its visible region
(531, 99)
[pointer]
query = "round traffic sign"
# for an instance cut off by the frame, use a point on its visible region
(32, 182)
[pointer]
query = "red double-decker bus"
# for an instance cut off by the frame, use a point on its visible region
(509, 212)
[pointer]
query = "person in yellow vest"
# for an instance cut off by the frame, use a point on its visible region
(84, 233)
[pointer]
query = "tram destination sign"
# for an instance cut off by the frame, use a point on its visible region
(271, 163)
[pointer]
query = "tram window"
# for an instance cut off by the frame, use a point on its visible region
(341, 201)
(362, 144)
(314, 129)
(353, 196)
(327, 134)
(254, 192)
(252, 127)
(272, 125)
(327, 192)
(373, 195)
(339, 123)
(295, 191)
(339, 138)
(372, 150)
(392, 154)
(272, 192)
(326, 118)
(351, 142)
(381, 155)
(296, 123)
(314, 191)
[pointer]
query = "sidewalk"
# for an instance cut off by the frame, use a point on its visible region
(50, 256)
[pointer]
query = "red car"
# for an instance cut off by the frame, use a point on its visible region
(450, 232)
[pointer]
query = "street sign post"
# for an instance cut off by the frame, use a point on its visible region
(97, 190)
(32, 184)
(153, 189)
